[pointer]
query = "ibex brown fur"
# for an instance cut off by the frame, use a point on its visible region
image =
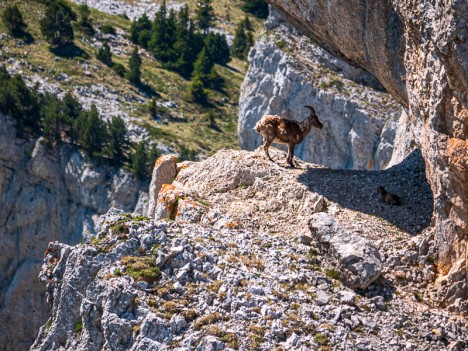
(276, 129)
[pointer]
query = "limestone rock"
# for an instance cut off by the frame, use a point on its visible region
(46, 195)
(164, 172)
(287, 71)
(419, 54)
(359, 262)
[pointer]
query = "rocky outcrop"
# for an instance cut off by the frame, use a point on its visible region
(358, 260)
(164, 172)
(242, 276)
(47, 195)
(288, 71)
(418, 52)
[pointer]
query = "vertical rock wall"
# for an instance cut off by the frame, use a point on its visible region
(46, 196)
(288, 71)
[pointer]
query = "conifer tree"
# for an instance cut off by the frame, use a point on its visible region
(218, 48)
(84, 21)
(242, 43)
(139, 162)
(204, 15)
(163, 35)
(56, 25)
(259, 8)
(13, 20)
(104, 54)
(134, 68)
(203, 66)
(140, 31)
(197, 91)
(116, 139)
(91, 130)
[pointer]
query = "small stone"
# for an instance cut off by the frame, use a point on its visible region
(322, 298)
(292, 340)
(347, 297)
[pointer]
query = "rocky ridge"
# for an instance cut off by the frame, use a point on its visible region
(47, 195)
(288, 71)
(215, 279)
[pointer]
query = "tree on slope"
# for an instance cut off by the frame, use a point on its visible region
(204, 15)
(13, 20)
(56, 25)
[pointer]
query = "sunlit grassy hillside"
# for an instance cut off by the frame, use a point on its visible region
(186, 125)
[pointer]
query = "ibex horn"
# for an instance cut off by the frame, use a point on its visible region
(312, 110)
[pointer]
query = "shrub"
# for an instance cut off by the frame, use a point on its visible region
(56, 24)
(13, 20)
(142, 268)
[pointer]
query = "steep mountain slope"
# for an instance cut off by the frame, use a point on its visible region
(288, 71)
(252, 273)
(47, 195)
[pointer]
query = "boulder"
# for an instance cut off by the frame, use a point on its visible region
(357, 259)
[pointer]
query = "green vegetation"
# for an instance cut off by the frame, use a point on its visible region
(56, 25)
(321, 339)
(258, 8)
(142, 268)
(186, 128)
(134, 68)
(13, 20)
(104, 55)
(204, 15)
(243, 41)
(331, 273)
(78, 327)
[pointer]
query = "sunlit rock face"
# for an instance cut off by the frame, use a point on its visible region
(418, 52)
(288, 71)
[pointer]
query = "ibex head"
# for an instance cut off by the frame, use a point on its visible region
(313, 118)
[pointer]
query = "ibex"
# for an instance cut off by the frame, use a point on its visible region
(388, 198)
(276, 129)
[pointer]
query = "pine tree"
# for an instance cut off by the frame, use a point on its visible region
(204, 15)
(242, 43)
(218, 48)
(203, 66)
(85, 22)
(134, 68)
(246, 23)
(17, 101)
(116, 139)
(91, 131)
(258, 8)
(140, 32)
(197, 91)
(104, 54)
(13, 20)
(139, 162)
(56, 118)
(163, 35)
(56, 24)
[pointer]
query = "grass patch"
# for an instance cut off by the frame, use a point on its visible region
(331, 273)
(78, 327)
(207, 320)
(142, 268)
(321, 339)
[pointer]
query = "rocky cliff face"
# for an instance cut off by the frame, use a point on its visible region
(418, 51)
(252, 255)
(46, 195)
(288, 71)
